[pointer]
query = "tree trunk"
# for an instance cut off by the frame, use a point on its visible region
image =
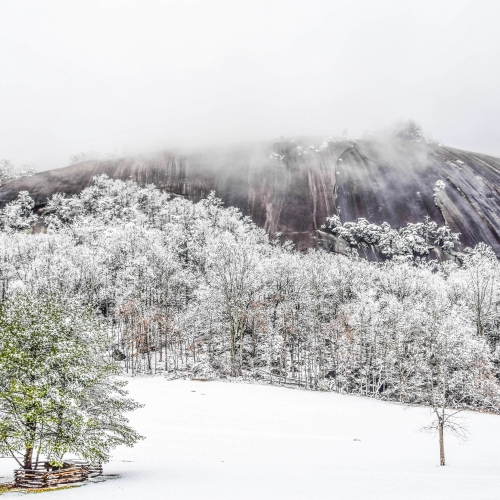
(441, 444)
(28, 458)
(29, 443)
(241, 356)
(233, 354)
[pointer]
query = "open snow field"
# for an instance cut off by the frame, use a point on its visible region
(215, 440)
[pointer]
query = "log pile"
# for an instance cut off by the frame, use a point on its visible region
(76, 472)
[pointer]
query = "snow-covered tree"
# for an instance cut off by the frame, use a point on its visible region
(408, 131)
(18, 214)
(58, 393)
(413, 240)
(456, 371)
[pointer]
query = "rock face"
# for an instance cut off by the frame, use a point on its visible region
(290, 190)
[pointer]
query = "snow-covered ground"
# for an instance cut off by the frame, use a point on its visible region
(215, 440)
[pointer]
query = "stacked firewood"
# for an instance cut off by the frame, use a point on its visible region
(46, 476)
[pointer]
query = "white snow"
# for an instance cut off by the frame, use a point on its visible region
(216, 440)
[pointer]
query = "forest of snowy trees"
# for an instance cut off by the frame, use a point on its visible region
(199, 289)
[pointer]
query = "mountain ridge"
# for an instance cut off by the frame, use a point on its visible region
(290, 188)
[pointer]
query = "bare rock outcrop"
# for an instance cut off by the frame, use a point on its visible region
(291, 187)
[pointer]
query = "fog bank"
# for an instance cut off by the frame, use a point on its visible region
(128, 75)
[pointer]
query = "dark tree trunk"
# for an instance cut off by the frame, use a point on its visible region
(441, 444)
(28, 458)
(28, 454)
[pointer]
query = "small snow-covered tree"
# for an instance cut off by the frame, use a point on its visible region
(58, 393)
(18, 214)
(408, 131)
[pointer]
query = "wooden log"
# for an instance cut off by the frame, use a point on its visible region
(68, 481)
(31, 482)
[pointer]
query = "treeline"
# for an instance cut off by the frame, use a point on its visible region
(9, 171)
(198, 288)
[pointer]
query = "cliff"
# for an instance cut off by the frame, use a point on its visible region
(286, 189)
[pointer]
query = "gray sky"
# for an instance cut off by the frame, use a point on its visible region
(126, 75)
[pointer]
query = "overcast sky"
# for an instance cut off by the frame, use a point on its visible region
(121, 75)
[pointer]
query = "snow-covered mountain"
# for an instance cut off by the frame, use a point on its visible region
(291, 187)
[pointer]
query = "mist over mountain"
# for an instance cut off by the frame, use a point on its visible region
(291, 187)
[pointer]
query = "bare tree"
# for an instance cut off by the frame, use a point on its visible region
(458, 374)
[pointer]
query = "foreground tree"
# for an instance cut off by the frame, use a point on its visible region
(57, 391)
